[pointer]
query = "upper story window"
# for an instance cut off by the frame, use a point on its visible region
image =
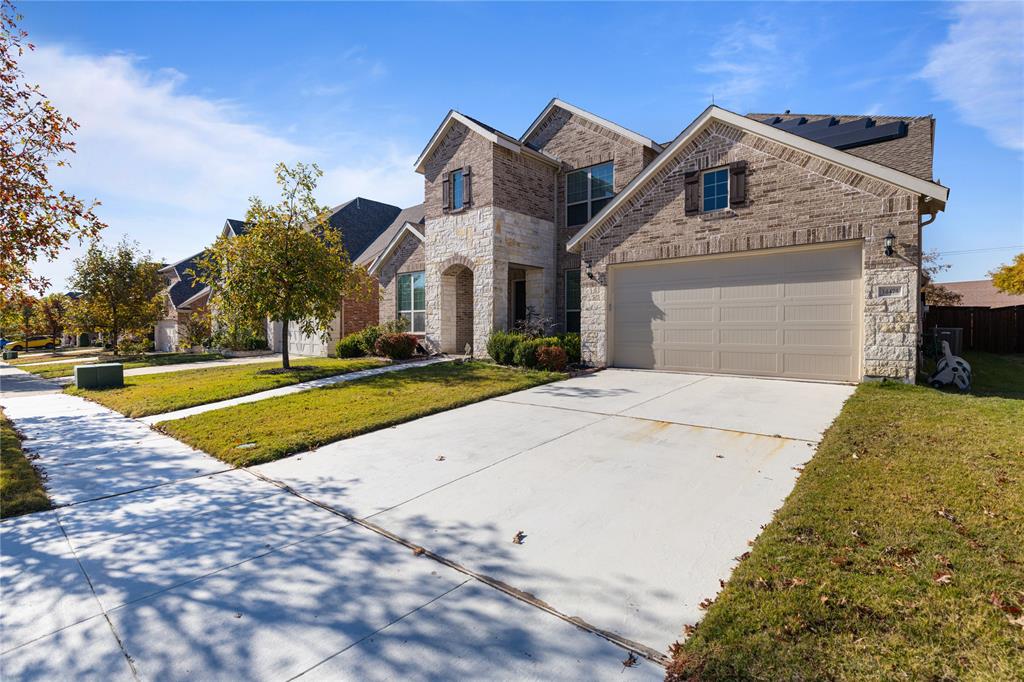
(715, 186)
(411, 305)
(587, 191)
(456, 189)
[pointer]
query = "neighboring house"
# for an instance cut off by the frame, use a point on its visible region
(981, 293)
(747, 245)
(184, 296)
(361, 222)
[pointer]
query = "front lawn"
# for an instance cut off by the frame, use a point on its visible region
(66, 369)
(277, 427)
(899, 554)
(21, 488)
(53, 356)
(149, 394)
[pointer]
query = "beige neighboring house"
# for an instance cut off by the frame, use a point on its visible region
(982, 293)
(769, 245)
(184, 296)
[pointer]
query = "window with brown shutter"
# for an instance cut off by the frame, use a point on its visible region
(692, 194)
(446, 193)
(737, 183)
(467, 187)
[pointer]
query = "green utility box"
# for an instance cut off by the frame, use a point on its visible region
(10, 355)
(106, 375)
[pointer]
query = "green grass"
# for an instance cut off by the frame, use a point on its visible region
(279, 427)
(21, 488)
(52, 356)
(66, 369)
(899, 554)
(149, 394)
(999, 375)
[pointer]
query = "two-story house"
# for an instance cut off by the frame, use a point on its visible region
(773, 245)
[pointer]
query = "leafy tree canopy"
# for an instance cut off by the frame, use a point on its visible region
(288, 264)
(121, 290)
(37, 220)
(1009, 278)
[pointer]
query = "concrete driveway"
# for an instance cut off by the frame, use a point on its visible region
(636, 491)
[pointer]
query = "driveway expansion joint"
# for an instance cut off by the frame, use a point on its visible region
(647, 652)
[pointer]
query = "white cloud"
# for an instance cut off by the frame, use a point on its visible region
(170, 166)
(979, 69)
(747, 60)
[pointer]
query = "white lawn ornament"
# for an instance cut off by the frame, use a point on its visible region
(951, 369)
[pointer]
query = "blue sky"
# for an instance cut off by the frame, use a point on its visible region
(185, 107)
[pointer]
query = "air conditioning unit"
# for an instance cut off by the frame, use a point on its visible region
(954, 336)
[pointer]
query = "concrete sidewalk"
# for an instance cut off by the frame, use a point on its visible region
(163, 566)
(288, 390)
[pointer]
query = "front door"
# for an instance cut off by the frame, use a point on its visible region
(518, 301)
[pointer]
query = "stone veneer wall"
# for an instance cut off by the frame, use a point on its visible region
(522, 240)
(578, 143)
(792, 199)
(465, 238)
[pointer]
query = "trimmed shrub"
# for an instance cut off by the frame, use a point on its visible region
(369, 336)
(350, 347)
(551, 358)
(501, 346)
(526, 351)
(570, 343)
(396, 346)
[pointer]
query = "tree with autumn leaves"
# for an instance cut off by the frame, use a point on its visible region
(1009, 278)
(288, 265)
(38, 220)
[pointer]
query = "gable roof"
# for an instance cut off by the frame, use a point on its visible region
(406, 229)
(892, 176)
(186, 288)
(593, 118)
(234, 227)
(361, 221)
(487, 132)
(412, 214)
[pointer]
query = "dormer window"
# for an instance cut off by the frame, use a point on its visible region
(587, 191)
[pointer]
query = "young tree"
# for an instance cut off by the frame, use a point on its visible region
(120, 290)
(1009, 278)
(935, 294)
(289, 265)
(52, 315)
(37, 220)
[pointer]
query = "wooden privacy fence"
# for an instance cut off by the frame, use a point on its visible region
(993, 330)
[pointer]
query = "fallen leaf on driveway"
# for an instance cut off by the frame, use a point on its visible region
(631, 661)
(519, 537)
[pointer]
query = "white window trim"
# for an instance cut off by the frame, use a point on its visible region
(590, 199)
(565, 298)
(728, 180)
(412, 301)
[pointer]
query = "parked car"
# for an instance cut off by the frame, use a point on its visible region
(32, 342)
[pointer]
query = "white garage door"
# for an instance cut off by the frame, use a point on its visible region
(165, 336)
(789, 314)
(314, 345)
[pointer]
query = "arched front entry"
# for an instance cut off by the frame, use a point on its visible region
(456, 309)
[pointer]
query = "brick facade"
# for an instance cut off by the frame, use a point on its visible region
(409, 256)
(792, 199)
(578, 143)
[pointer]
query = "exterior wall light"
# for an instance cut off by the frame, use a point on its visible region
(890, 243)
